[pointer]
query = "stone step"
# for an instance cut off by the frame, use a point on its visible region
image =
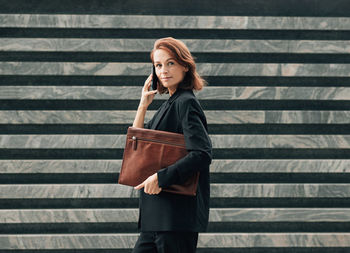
(116, 191)
(171, 22)
(105, 141)
(213, 117)
(227, 166)
(143, 46)
(206, 240)
(205, 69)
(208, 93)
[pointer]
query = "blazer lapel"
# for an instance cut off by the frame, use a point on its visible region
(164, 109)
(160, 116)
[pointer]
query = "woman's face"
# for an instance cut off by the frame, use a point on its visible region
(169, 72)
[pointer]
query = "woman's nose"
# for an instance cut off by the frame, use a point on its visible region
(164, 70)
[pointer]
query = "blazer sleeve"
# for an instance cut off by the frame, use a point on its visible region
(198, 144)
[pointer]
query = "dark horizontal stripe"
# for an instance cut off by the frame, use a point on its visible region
(280, 153)
(322, 8)
(28, 104)
(176, 33)
(280, 202)
(214, 203)
(200, 57)
(264, 177)
(69, 203)
(217, 227)
(59, 178)
(63, 228)
(277, 227)
(64, 128)
(38, 80)
(268, 250)
(110, 178)
(213, 128)
(278, 128)
(234, 153)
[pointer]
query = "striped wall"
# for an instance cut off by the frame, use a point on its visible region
(277, 105)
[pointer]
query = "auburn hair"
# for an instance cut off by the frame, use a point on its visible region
(179, 51)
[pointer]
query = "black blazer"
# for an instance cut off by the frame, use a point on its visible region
(181, 113)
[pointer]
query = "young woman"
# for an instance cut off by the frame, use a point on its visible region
(170, 222)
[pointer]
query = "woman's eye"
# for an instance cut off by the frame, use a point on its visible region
(170, 63)
(158, 65)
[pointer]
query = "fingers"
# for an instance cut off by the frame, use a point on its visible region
(140, 186)
(150, 186)
(148, 83)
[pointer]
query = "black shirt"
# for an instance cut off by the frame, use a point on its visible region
(181, 113)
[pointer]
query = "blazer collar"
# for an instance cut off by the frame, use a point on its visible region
(175, 95)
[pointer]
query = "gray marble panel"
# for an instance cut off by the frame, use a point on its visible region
(213, 117)
(207, 69)
(307, 117)
(62, 141)
(184, 22)
(70, 117)
(216, 215)
(280, 166)
(280, 191)
(77, 45)
(69, 215)
(281, 240)
(116, 191)
(59, 191)
(280, 215)
(67, 241)
(217, 166)
(60, 166)
(281, 141)
(205, 240)
(218, 141)
(134, 92)
(194, 45)
(275, 93)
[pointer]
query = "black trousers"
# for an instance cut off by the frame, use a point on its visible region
(166, 242)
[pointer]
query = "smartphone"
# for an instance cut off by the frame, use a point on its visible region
(154, 79)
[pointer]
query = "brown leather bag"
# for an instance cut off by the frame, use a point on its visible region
(147, 151)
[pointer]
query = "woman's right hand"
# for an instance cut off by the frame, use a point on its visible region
(147, 95)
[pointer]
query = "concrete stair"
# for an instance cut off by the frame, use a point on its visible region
(277, 105)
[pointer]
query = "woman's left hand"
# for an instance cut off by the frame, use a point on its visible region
(150, 185)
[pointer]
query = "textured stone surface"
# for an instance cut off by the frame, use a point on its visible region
(218, 141)
(205, 69)
(123, 215)
(213, 117)
(195, 46)
(115, 191)
(211, 240)
(185, 22)
(60, 166)
(217, 166)
(134, 92)
(280, 191)
(59, 191)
